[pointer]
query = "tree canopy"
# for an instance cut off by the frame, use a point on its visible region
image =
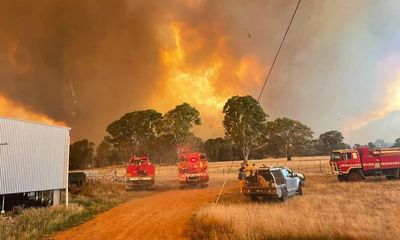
(244, 122)
(396, 143)
(331, 140)
(285, 136)
(135, 131)
(219, 149)
(107, 154)
(179, 121)
(81, 154)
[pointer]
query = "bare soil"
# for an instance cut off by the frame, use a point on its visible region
(164, 215)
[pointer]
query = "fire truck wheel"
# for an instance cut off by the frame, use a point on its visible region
(182, 187)
(300, 190)
(397, 173)
(284, 196)
(390, 177)
(342, 178)
(355, 176)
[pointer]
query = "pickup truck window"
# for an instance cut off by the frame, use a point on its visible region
(278, 175)
(285, 173)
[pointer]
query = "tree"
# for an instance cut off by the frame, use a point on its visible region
(81, 154)
(163, 150)
(396, 143)
(195, 143)
(314, 148)
(331, 140)
(219, 149)
(371, 146)
(244, 122)
(134, 131)
(287, 137)
(380, 143)
(179, 121)
(107, 154)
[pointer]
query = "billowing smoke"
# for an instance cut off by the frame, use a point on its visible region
(87, 62)
(387, 95)
(14, 110)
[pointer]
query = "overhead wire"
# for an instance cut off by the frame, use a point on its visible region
(263, 87)
(279, 50)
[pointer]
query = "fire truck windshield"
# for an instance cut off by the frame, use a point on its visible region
(335, 156)
(137, 162)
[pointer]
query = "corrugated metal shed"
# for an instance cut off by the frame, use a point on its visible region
(33, 156)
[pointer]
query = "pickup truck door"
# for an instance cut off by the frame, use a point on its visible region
(291, 181)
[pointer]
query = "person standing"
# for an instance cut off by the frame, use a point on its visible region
(242, 178)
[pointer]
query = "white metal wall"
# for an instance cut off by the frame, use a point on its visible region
(33, 157)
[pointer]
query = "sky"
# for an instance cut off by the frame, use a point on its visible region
(85, 63)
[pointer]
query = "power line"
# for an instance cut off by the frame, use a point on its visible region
(279, 49)
(262, 90)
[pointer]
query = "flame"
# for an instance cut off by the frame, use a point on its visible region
(390, 103)
(205, 81)
(11, 109)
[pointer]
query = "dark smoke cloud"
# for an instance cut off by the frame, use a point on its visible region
(87, 62)
(82, 62)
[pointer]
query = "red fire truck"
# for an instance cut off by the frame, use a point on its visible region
(356, 164)
(139, 173)
(192, 169)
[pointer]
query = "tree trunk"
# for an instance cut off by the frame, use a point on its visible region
(245, 152)
(288, 155)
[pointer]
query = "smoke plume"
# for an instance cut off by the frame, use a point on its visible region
(87, 62)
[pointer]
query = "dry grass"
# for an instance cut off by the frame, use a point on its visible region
(328, 210)
(91, 199)
(36, 223)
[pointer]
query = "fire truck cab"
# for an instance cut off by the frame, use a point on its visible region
(192, 169)
(356, 164)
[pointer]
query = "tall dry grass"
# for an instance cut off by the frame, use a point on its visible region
(91, 199)
(328, 210)
(36, 223)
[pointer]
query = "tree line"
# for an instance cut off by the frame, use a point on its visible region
(248, 134)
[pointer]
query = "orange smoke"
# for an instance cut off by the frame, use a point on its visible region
(390, 103)
(204, 81)
(19, 58)
(11, 109)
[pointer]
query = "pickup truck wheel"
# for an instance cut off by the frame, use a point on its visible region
(284, 196)
(355, 176)
(300, 190)
(253, 198)
(397, 173)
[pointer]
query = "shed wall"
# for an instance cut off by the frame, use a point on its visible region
(33, 157)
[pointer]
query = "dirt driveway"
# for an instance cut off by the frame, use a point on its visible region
(164, 215)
